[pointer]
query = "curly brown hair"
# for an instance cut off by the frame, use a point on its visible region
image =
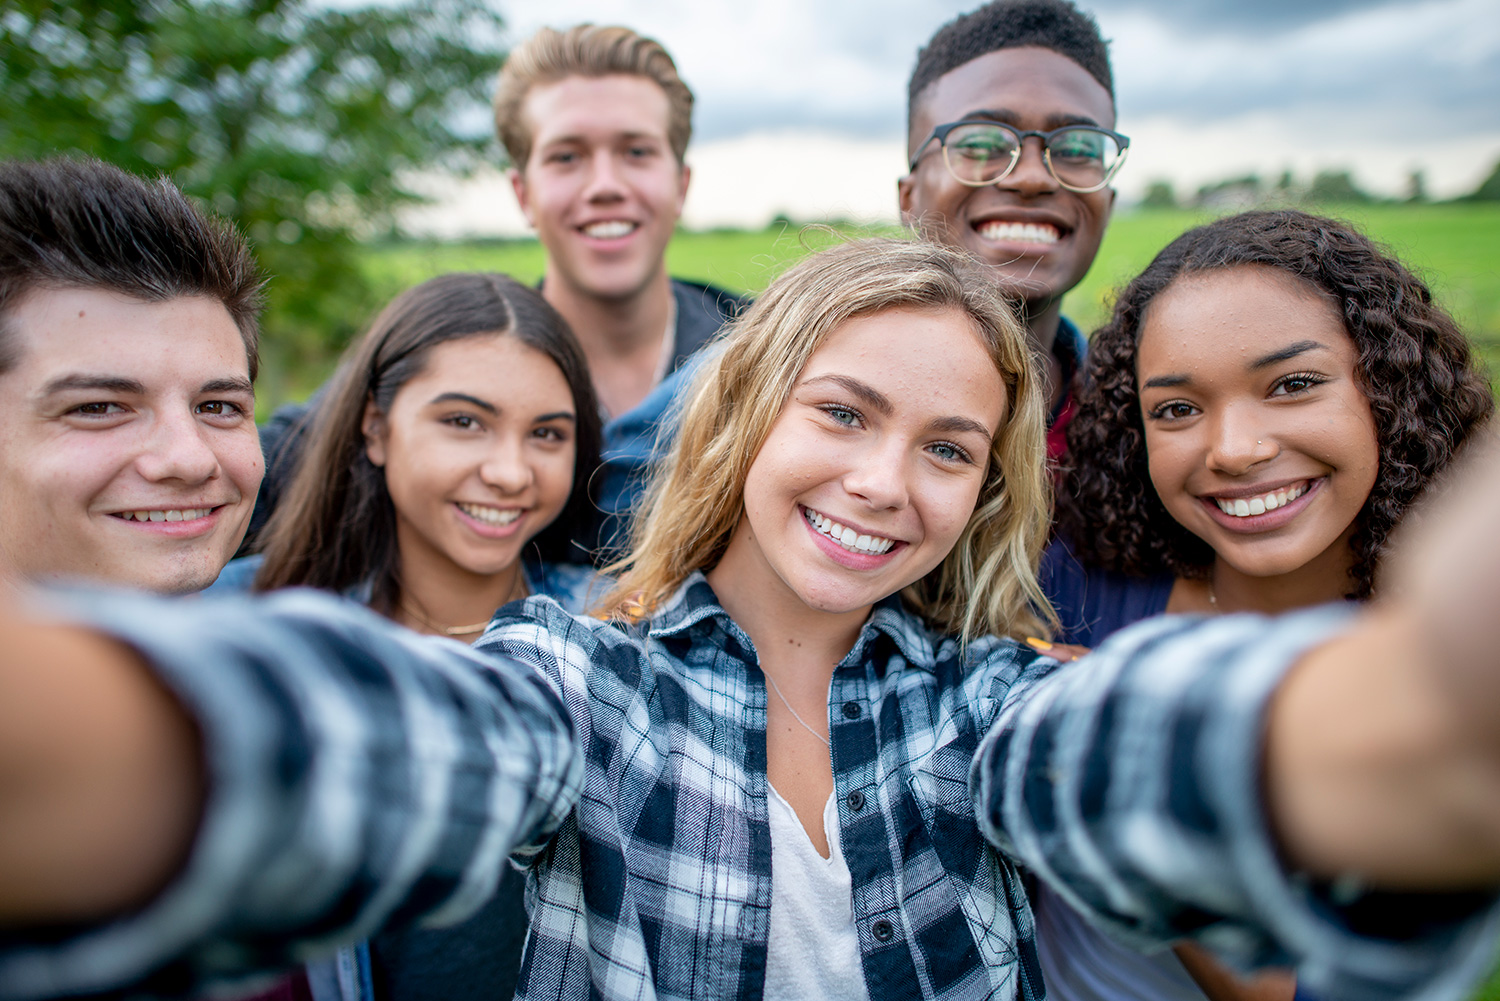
(1426, 392)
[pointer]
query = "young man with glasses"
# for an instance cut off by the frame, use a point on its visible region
(1012, 147)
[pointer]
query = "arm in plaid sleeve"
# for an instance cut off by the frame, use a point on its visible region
(357, 774)
(1131, 782)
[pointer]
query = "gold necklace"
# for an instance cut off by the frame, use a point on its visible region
(437, 627)
(411, 610)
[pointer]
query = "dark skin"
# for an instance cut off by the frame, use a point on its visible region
(1029, 88)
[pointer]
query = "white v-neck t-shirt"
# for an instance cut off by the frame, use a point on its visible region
(813, 951)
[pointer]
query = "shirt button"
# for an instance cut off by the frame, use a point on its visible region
(851, 710)
(856, 800)
(882, 930)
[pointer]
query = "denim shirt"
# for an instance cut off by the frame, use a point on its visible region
(360, 775)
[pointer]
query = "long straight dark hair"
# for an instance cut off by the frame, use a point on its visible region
(337, 527)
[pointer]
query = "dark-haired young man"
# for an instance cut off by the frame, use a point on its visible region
(128, 344)
(1010, 137)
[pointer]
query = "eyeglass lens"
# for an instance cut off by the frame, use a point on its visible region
(1081, 158)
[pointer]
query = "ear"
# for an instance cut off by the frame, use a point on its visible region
(523, 199)
(373, 426)
(682, 187)
(904, 196)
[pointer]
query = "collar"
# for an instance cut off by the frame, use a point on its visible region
(695, 603)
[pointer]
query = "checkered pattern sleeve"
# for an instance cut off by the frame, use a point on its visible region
(1130, 782)
(359, 774)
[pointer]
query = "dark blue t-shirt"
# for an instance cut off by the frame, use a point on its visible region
(1092, 603)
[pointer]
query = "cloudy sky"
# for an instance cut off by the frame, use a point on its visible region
(801, 103)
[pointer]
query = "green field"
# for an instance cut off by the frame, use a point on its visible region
(1455, 247)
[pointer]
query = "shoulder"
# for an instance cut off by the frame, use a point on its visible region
(701, 311)
(237, 577)
(575, 587)
(1090, 602)
(569, 649)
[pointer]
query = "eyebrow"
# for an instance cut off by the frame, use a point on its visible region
(1005, 116)
(106, 383)
(561, 415)
(473, 401)
(1264, 361)
(960, 425)
(235, 385)
(1286, 354)
(866, 393)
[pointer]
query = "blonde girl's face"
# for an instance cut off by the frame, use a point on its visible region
(478, 452)
(874, 466)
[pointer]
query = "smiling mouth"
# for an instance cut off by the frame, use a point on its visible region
(611, 230)
(1248, 507)
(165, 514)
(1019, 232)
(846, 537)
(490, 515)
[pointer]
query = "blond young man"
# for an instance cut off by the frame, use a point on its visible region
(596, 123)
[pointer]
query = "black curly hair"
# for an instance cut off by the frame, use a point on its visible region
(1007, 24)
(1426, 392)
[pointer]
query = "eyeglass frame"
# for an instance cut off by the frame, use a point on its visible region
(940, 133)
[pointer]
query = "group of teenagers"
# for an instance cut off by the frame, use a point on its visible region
(765, 632)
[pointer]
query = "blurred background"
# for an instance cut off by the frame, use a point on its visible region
(352, 142)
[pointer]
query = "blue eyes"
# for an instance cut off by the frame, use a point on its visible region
(946, 451)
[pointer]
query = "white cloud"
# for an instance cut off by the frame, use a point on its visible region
(801, 105)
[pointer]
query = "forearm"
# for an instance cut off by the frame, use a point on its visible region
(354, 774)
(100, 781)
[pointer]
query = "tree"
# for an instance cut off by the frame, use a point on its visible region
(300, 122)
(1489, 188)
(1159, 195)
(1337, 187)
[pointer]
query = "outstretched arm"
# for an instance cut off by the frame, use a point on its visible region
(286, 775)
(1279, 789)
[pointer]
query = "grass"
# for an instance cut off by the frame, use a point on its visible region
(1454, 247)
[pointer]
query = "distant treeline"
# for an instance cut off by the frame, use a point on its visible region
(1327, 187)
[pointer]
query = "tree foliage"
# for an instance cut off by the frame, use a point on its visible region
(302, 122)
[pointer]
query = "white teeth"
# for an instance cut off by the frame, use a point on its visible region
(609, 230)
(491, 515)
(847, 537)
(1019, 232)
(1242, 508)
(172, 514)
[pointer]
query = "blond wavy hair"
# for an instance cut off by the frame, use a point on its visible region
(589, 50)
(987, 584)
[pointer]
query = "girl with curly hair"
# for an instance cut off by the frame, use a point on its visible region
(1267, 401)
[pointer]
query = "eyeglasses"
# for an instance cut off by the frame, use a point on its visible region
(1081, 158)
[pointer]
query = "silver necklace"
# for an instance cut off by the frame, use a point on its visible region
(777, 689)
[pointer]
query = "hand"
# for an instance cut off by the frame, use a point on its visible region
(1061, 652)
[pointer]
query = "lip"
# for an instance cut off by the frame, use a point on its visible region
(171, 529)
(842, 556)
(484, 528)
(1271, 520)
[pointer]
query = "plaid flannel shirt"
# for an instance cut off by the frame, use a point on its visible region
(361, 774)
